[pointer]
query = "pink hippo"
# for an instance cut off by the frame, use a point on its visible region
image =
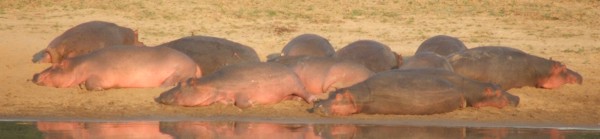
(121, 67)
(244, 85)
(85, 38)
(321, 75)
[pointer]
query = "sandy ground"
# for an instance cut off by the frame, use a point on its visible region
(565, 31)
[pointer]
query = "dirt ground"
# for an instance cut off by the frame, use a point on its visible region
(567, 31)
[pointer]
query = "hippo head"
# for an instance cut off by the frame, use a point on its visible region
(58, 75)
(494, 96)
(187, 93)
(53, 52)
(340, 102)
(559, 75)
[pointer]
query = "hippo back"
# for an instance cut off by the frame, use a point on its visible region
(506, 66)
(427, 60)
(211, 53)
(393, 92)
(308, 44)
(442, 45)
(375, 56)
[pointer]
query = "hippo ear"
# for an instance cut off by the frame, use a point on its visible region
(136, 39)
(497, 86)
(399, 59)
(63, 64)
(191, 81)
(558, 68)
(489, 92)
(135, 34)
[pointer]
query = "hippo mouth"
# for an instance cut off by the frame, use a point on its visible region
(574, 77)
(165, 98)
(39, 79)
(45, 56)
(36, 79)
(319, 108)
(513, 100)
(39, 56)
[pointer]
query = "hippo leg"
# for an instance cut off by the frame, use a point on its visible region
(242, 101)
(306, 96)
(81, 86)
(171, 80)
(93, 84)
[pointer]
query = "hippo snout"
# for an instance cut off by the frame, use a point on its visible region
(37, 57)
(513, 100)
(314, 108)
(165, 98)
(574, 77)
(319, 108)
(36, 78)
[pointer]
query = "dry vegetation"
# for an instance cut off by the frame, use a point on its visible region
(567, 30)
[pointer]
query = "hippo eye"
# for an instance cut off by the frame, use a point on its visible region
(186, 88)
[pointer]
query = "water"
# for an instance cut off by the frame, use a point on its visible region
(267, 130)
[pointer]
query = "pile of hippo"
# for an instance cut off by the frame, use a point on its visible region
(365, 76)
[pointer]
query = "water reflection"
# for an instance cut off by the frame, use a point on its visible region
(262, 130)
(239, 130)
(101, 130)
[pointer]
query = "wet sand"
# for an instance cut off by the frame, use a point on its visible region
(558, 30)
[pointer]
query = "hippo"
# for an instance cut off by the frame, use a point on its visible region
(321, 75)
(243, 85)
(121, 67)
(375, 56)
(512, 68)
(427, 60)
(306, 44)
(85, 38)
(213, 53)
(442, 45)
(414, 92)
